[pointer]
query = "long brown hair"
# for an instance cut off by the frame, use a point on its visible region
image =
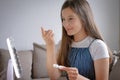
(83, 10)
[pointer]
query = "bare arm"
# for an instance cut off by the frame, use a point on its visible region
(51, 57)
(102, 69)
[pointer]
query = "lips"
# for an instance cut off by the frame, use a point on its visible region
(69, 29)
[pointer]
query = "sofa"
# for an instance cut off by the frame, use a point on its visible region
(33, 63)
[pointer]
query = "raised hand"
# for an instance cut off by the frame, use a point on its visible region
(48, 36)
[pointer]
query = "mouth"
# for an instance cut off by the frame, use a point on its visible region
(69, 29)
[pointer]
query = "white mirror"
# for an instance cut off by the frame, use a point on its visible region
(14, 58)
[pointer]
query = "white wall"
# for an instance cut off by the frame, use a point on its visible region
(107, 16)
(22, 19)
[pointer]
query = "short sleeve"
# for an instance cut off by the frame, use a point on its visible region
(99, 50)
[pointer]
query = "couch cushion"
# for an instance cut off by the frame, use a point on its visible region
(115, 73)
(25, 58)
(4, 57)
(42, 79)
(61, 78)
(0, 62)
(39, 61)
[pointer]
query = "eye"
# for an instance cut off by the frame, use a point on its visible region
(70, 18)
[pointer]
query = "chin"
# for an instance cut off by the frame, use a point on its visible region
(70, 34)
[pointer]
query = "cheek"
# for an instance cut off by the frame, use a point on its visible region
(78, 26)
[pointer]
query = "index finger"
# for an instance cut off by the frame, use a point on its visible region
(68, 69)
(65, 68)
(43, 31)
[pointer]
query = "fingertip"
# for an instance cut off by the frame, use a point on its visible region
(42, 29)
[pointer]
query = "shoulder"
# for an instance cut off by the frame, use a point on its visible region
(99, 44)
(98, 49)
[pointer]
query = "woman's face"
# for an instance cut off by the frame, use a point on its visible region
(71, 22)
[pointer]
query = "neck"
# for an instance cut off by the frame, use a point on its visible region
(80, 36)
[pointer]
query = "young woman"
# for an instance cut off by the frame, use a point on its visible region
(83, 51)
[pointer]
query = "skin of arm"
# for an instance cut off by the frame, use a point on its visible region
(53, 73)
(102, 69)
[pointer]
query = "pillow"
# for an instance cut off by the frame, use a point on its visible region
(115, 73)
(25, 58)
(115, 58)
(39, 61)
(4, 57)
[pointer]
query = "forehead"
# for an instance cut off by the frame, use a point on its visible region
(68, 12)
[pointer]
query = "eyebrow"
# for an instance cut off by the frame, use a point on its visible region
(69, 16)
